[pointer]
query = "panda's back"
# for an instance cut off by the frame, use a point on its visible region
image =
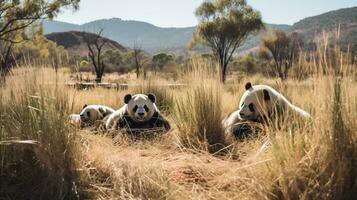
(282, 102)
(107, 108)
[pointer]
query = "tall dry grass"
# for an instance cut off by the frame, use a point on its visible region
(306, 159)
(315, 161)
(198, 109)
(35, 140)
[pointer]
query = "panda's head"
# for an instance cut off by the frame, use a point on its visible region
(254, 103)
(91, 113)
(140, 107)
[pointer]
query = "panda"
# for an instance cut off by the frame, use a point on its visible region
(91, 114)
(75, 120)
(259, 103)
(139, 112)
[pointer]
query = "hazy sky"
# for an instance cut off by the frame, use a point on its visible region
(180, 13)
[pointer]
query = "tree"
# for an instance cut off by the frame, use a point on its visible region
(247, 63)
(223, 26)
(160, 60)
(16, 15)
(283, 49)
(6, 59)
(37, 47)
(95, 44)
(114, 57)
(114, 61)
(139, 59)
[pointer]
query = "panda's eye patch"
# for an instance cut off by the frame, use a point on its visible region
(251, 107)
(146, 108)
(88, 114)
(135, 108)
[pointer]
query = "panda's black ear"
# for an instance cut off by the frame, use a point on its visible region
(85, 105)
(101, 110)
(152, 97)
(248, 86)
(127, 98)
(266, 95)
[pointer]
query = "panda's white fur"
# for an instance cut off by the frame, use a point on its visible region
(258, 101)
(140, 108)
(92, 113)
(75, 119)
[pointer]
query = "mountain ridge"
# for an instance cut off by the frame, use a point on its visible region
(128, 32)
(156, 39)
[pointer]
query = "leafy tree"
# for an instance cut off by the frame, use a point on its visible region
(283, 49)
(248, 64)
(37, 47)
(224, 25)
(16, 15)
(179, 59)
(117, 61)
(113, 57)
(160, 60)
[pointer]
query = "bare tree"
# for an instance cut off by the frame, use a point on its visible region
(95, 44)
(138, 58)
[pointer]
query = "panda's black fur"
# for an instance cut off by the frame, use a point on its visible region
(156, 121)
(139, 114)
(245, 130)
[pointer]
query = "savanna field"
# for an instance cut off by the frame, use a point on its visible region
(43, 153)
(176, 100)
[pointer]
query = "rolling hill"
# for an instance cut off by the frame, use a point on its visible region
(174, 40)
(150, 37)
(345, 19)
(328, 20)
(74, 42)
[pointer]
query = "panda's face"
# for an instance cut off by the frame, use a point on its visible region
(140, 107)
(254, 103)
(89, 114)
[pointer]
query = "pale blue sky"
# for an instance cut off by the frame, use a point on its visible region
(180, 13)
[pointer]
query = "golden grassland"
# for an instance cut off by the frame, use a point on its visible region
(311, 159)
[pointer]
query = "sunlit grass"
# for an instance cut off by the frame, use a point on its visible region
(305, 159)
(36, 146)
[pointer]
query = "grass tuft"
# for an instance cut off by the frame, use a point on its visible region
(198, 112)
(36, 144)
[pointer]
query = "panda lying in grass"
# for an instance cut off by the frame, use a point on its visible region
(139, 113)
(259, 104)
(91, 115)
